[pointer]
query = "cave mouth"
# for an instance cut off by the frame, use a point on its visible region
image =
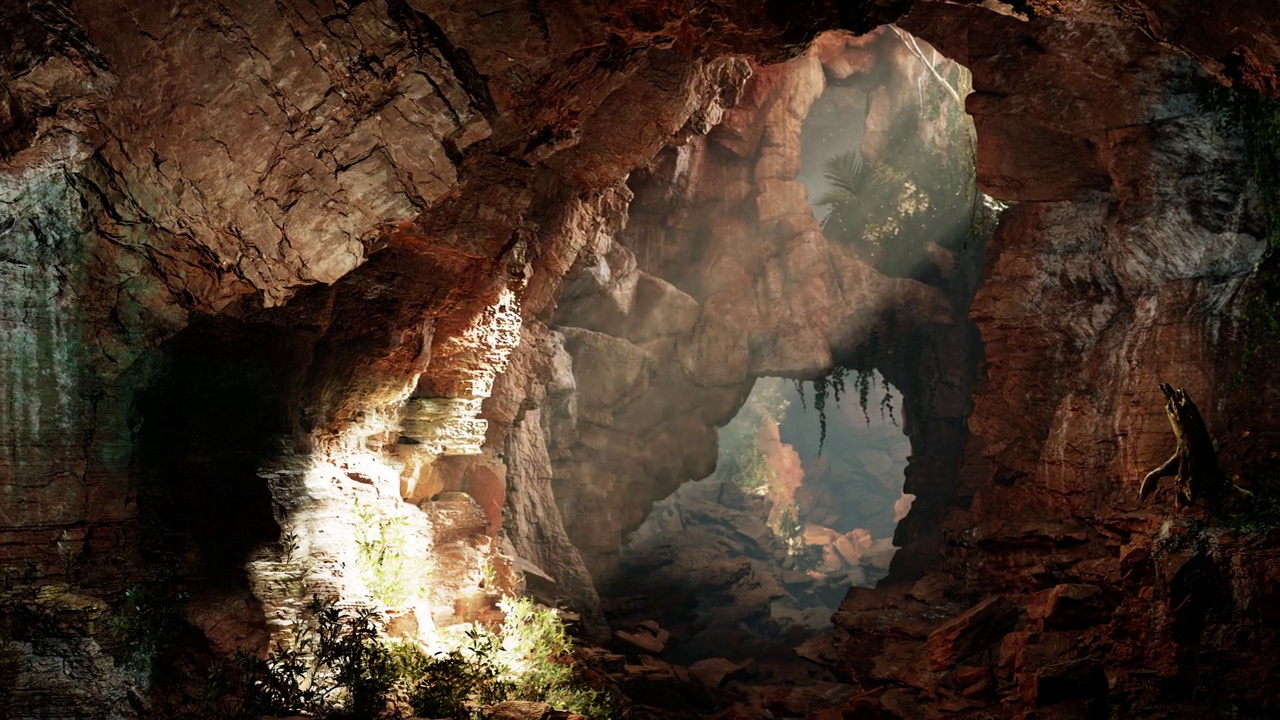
(809, 490)
(803, 504)
(888, 154)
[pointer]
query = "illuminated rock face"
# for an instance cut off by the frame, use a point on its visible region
(1097, 288)
(237, 240)
(350, 195)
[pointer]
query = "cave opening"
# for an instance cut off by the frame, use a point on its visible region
(666, 318)
(802, 506)
(823, 453)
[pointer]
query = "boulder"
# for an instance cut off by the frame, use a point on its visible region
(977, 629)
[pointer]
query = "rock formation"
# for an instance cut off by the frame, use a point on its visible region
(267, 269)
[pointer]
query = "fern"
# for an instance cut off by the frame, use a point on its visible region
(846, 172)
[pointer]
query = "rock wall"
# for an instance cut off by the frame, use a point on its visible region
(1122, 264)
(367, 188)
(721, 275)
(362, 189)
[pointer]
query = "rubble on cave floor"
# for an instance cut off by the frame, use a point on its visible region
(713, 573)
(1118, 632)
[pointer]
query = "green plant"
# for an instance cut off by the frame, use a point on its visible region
(748, 470)
(833, 384)
(865, 202)
(288, 547)
(489, 573)
(68, 552)
(390, 573)
(920, 189)
(529, 658)
(537, 649)
(740, 460)
(334, 664)
(787, 527)
(148, 625)
(457, 683)
(1191, 537)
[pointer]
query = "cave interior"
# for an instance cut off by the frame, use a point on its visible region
(608, 359)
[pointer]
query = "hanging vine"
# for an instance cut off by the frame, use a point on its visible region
(835, 384)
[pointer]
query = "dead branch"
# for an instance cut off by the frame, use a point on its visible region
(1194, 463)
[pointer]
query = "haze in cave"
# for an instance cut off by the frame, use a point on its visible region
(626, 360)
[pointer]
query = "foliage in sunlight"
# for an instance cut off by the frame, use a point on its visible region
(922, 190)
(393, 576)
(335, 664)
(740, 460)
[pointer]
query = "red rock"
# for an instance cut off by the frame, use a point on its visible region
(843, 55)
(1077, 606)
(978, 628)
(210, 164)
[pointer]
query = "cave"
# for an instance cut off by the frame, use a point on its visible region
(713, 359)
(757, 557)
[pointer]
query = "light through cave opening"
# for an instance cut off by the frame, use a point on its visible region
(812, 473)
(446, 319)
(764, 550)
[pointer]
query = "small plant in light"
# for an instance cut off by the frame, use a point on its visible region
(394, 576)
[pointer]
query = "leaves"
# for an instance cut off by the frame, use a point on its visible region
(846, 172)
(391, 574)
(149, 625)
(335, 664)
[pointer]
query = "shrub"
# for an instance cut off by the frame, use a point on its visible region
(335, 664)
(149, 625)
(456, 683)
(391, 574)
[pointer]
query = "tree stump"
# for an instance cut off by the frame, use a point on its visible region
(1194, 463)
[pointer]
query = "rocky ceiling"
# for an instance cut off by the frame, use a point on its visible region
(255, 256)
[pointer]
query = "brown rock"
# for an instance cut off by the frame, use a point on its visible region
(661, 310)
(1072, 607)
(817, 534)
(978, 628)
(843, 55)
(519, 710)
(847, 550)
(639, 641)
(712, 672)
(1068, 681)
(602, 297)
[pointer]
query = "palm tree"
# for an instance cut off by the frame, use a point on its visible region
(845, 200)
